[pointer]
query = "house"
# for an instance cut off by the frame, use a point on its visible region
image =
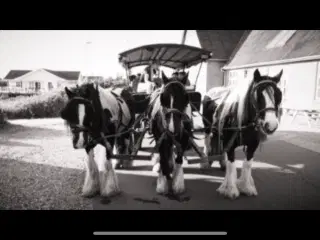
(222, 44)
(38, 81)
(297, 52)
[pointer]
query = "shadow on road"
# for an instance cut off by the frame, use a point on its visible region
(38, 186)
(278, 190)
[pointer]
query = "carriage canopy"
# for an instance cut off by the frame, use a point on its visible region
(174, 56)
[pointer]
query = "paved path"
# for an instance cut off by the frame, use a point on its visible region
(40, 170)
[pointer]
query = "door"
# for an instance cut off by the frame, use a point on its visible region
(38, 86)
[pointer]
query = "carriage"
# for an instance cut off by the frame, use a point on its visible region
(173, 56)
(244, 109)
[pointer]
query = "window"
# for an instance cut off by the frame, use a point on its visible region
(37, 86)
(50, 85)
(281, 39)
(31, 85)
(317, 94)
(233, 78)
(19, 84)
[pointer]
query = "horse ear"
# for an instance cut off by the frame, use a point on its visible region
(185, 79)
(278, 76)
(165, 79)
(256, 75)
(69, 93)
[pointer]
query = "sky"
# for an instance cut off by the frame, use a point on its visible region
(66, 50)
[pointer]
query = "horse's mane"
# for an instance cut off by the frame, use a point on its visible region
(235, 104)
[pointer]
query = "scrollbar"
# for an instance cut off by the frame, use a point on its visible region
(160, 233)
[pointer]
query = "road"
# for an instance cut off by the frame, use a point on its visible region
(39, 169)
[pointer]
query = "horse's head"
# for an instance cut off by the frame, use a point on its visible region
(266, 98)
(174, 100)
(79, 114)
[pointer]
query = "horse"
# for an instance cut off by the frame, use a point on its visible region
(99, 120)
(171, 126)
(245, 116)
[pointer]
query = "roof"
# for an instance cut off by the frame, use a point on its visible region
(68, 75)
(220, 42)
(260, 47)
(168, 55)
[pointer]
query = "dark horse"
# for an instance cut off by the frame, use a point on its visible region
(171, 125)
(245, 116)
(94, 115)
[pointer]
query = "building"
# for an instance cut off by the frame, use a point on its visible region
(38, 81)
(297, 52)
(222, 44)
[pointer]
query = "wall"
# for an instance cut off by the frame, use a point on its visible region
(201, 82)
(215, 77)
(298, 83)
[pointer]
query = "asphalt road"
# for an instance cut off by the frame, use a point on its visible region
(40, 170)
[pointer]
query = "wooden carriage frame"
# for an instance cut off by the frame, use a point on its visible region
(173, 56)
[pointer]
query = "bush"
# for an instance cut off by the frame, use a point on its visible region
(47, 105)
(39, 106)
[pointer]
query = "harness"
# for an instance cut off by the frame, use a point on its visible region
(217, 129)
(104, 133)
(164, 112)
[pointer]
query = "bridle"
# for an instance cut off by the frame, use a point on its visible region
(168, 111)
(76, 128)
(94, 136)
(257, 120)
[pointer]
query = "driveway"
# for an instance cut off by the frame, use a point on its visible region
(39, 169)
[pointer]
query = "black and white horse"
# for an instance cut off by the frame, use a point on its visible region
(170, 118)
(253, 108)
(94, 115)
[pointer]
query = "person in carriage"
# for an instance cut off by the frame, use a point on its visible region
(134, 82)
(151, 76)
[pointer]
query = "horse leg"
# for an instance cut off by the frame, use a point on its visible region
(229, 186)
(178, 185)
(245, 183)
(123, 145)
(208, 110)
(109, 185)
(206, 150)
(164, 181)
(156, 162)
(117, 162)
(91, 181)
